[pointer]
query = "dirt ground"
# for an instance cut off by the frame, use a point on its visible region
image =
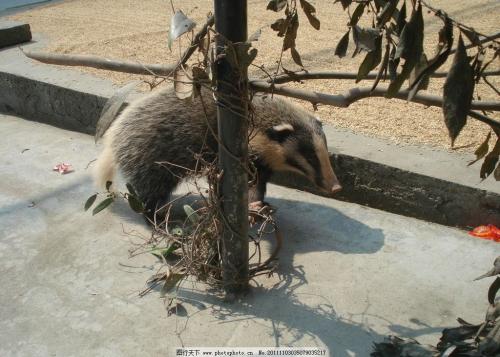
(137, 31)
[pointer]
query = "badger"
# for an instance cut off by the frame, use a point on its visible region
(154, 142)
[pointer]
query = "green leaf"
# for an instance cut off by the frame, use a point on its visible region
(371, 60)
(171, 282)
(90, 201)
(130, 189)
(191, 214)
(457, 92)
(177, 231)
(135, 203)
(296, 57)
(164, 252)
(276, 5)
(102, 205)
(341, 48)
(356, 15)
(310, 12)
(387, 12)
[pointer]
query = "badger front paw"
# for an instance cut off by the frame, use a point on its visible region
(256, 210)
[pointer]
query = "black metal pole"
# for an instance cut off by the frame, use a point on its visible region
(232, 96)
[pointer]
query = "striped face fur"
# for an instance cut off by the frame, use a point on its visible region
(299, 147)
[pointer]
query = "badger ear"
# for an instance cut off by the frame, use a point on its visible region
(280, 132)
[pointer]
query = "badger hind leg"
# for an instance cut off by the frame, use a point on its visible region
(154, 189)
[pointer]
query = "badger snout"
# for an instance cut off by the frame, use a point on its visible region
(332, 189)
(336, 188)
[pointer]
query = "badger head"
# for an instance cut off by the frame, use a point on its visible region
(298, 145)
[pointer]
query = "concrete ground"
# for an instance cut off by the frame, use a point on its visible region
(348, 274)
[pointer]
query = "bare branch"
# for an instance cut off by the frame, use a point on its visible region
(302, 75)
(100, 63)
(462, 26)
(121, 66)
(355, 94)
(483, 118)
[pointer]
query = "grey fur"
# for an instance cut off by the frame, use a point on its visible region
(162, 128)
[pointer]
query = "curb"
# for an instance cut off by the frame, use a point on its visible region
(13, 33)
(365, 181)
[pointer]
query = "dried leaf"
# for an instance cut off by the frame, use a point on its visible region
(492, 291)
(341, 48)
(410, 44)
(494, 271)
(296, 57)
(496, 174)
(482, 150)
(276, 5)
(401, 19)
(178, 310)
(490, 346)
(105, 203)
(255, 36)
(112, 107)
(386, 12)
(456, 334)
(364, 38)
(183, 84)
(371, 60)
(383, 67)
(356, 15)
(310, 12)
(493, 312)
(90, 201)
(471, 36)
(457, 92)
(280, 26)
(179, 25)
(171, 282)
(108, 185)
(416, 81)
(446, 42)
(291, 33)
(490, 161)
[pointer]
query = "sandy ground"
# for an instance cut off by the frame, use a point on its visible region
(137, 31)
